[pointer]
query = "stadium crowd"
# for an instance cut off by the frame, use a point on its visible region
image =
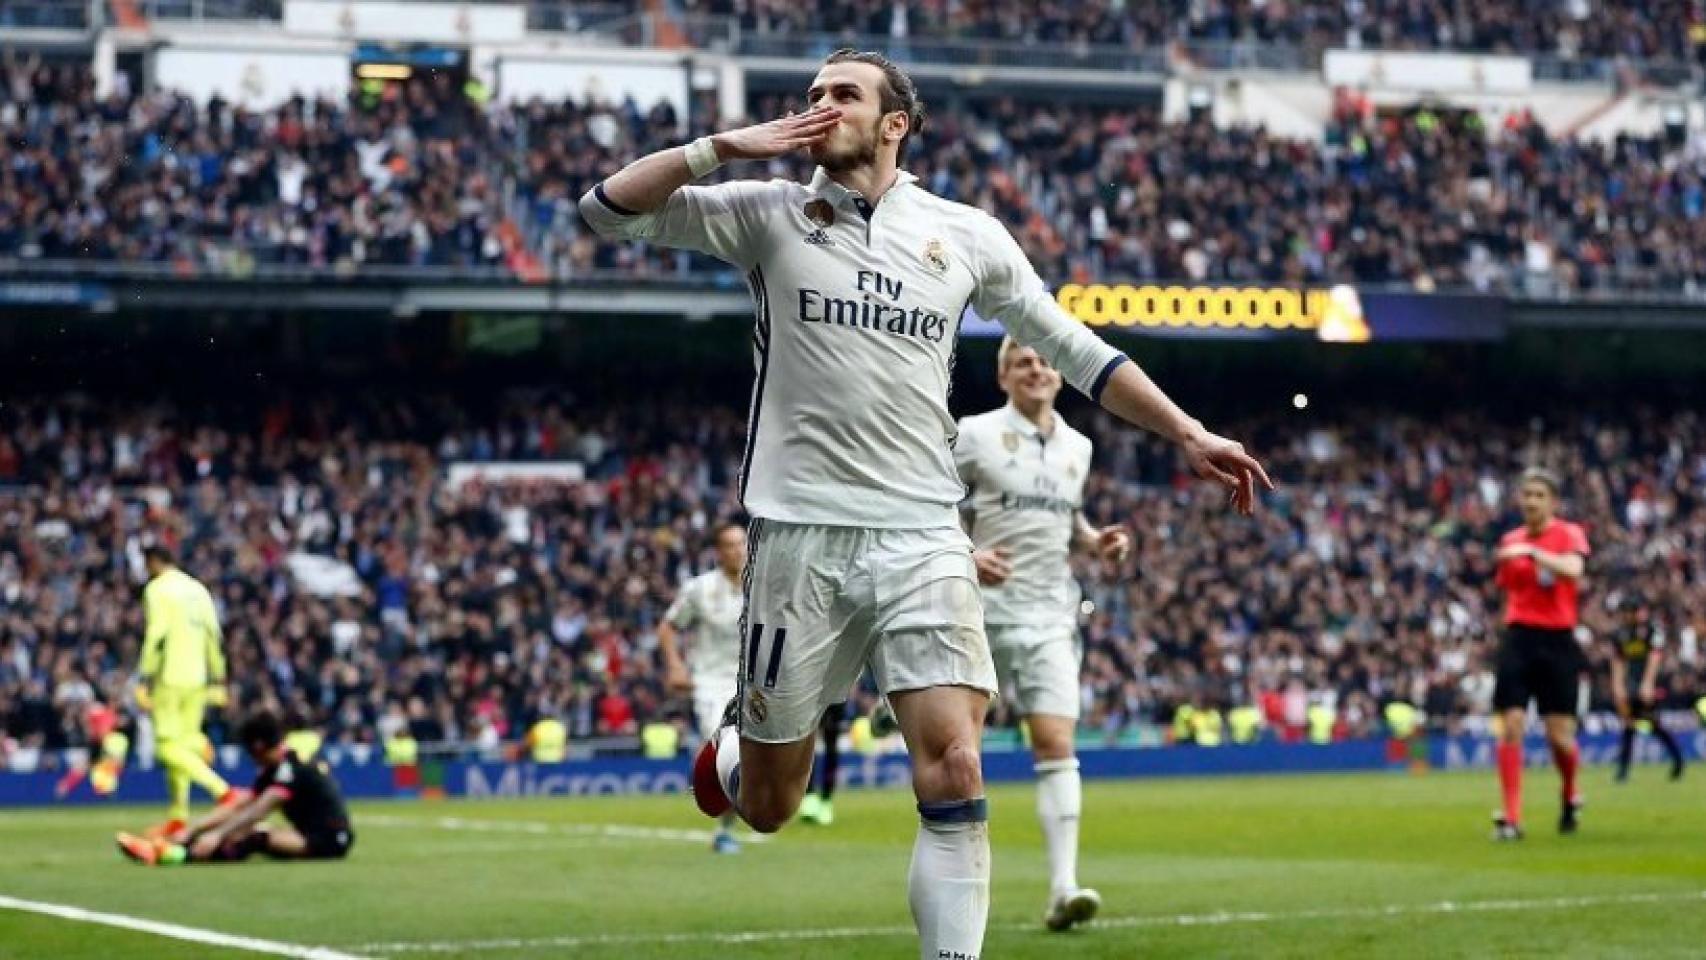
(419, 175)
(1427, 200)
(1658, 29)
(1668, 29)
(367, 594)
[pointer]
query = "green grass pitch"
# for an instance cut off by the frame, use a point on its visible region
(1388, 865)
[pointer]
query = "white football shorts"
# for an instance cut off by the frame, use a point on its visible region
(823, 603)
(711, 696)
(1038, 666)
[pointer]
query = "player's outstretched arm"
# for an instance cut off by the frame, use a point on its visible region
(1010, 291)
(1134, 398)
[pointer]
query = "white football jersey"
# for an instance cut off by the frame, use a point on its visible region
(857, 318)
(708, 607)
(1026, 491)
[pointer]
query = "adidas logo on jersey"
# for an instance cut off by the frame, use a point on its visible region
(818, 238)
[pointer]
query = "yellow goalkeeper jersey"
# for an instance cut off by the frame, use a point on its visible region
(181, 648)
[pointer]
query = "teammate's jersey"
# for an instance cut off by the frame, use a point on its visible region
(1026, 491)
(854, 342)
(709, 605)
(312, 802)
(1536, 597)
(181, 645)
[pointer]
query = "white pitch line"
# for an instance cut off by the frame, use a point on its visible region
(1402, 910)
(1221, 918)
(174, 931)
(620, 831)
(521, 845)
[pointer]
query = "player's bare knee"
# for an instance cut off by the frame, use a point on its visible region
(767, 813)
(764, 823)
(1051, 745)
(954, 774)
(768, 808)
(1513, 726)
(1052, 751)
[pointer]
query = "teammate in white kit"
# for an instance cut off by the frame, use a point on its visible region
(709, 608)
(1025, 468)
(856, 555)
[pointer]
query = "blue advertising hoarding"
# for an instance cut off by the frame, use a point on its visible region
(635, 775)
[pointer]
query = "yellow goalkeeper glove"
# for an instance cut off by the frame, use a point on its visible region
(144, 699)
(217, 695)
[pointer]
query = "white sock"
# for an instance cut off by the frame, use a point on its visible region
(728, 765)
(1060, 801)
(949, 883)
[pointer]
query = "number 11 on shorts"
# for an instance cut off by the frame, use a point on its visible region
(773, 663)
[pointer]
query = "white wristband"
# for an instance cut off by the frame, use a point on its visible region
(702, 157)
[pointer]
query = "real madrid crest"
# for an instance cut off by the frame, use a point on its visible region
(820, 213)
(936, 255)
(756, 708)
(1010, 440)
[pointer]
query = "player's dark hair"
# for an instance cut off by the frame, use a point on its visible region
(725, 526)
(1544, 477)
(261, 730)
(157, 553)
(898, 91)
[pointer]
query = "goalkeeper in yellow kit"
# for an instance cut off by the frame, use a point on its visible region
(182, 671)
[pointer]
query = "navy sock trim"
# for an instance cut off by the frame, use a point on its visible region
(955, 811)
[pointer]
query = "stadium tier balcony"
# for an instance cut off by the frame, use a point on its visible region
(45, 15)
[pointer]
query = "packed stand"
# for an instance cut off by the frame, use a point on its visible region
(1664, 30)
(1368, 577)
(364, 593)
(420, 176)
(1423, 200)
(398, 178)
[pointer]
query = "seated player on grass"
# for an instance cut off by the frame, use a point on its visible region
(319, 826)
